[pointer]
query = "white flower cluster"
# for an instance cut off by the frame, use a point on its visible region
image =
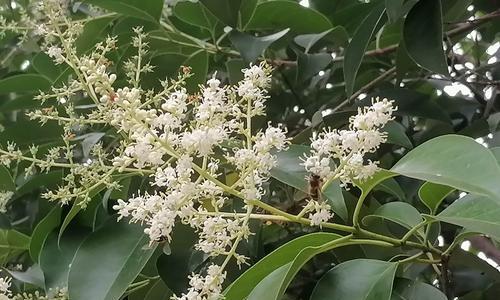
(347, 148)
(5, 197)
(5, 286)
(319, 212)
(207, 287)
(183, 157)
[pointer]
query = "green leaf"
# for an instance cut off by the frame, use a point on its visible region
(159, 291)
(179, 259)
(369, 184)
(198, 62)
(195, 14)
(6, 181)
(77, 205)
(56, 258)
(234, 67)
(310, 64)
(405, 289)
(424, 40)
(282, 14)
(496, 153)
(40, 181)
(358, 45)
(404, 63)
(306, 41)
(394, 9)
(453, 160)
(33, 275)
(42, 231)
(471, 273)
(335, 198)
(235, 13)
(475, 213)
(401, 213)
(396, 134)
(92, 33)
(149, 10)
(432, 194)
(289, 170)
(251, 47)
(12, 243)
(108, 261)
(359, 279)
(391, 186)
(336, 36)
(44, 65)
(24, 83)
(282, 258)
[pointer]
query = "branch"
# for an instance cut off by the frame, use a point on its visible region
(387, 74)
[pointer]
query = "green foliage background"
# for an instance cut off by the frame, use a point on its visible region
(329, 58)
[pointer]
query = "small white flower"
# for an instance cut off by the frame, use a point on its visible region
(5, 197)
(320, 212)
(5, 286)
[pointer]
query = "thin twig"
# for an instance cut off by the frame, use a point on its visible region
(387, 74)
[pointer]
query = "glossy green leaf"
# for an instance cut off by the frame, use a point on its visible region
(235, 13)
(401, 213)
(394, 9)
(24, 83)
(359, 279)
(381, 175)
(56, 258)
(198, 62)
(306, 41)
(42, 231)
(33, 275)
(282, 258)
(175, 268)
(432, 194)
(44, 65)
(424, 40)
(251, 47)
(300, 19)
(42, 181)
(405, 289)
(396, 135)
(475, 213)
(358, 45)
(108, 261)
(159, 291)
(310, 64)
(404, 63)
(470, 272)
(92, 33)
(195, 14)
(496, 153)
(289, 170)
(453, 160)
(12, 243)
(77, 205)
(147, 10)
(391, 186)
(333, 36)
(6, 181)
(234, 67)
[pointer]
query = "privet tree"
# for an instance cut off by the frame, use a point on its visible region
(245, 149)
